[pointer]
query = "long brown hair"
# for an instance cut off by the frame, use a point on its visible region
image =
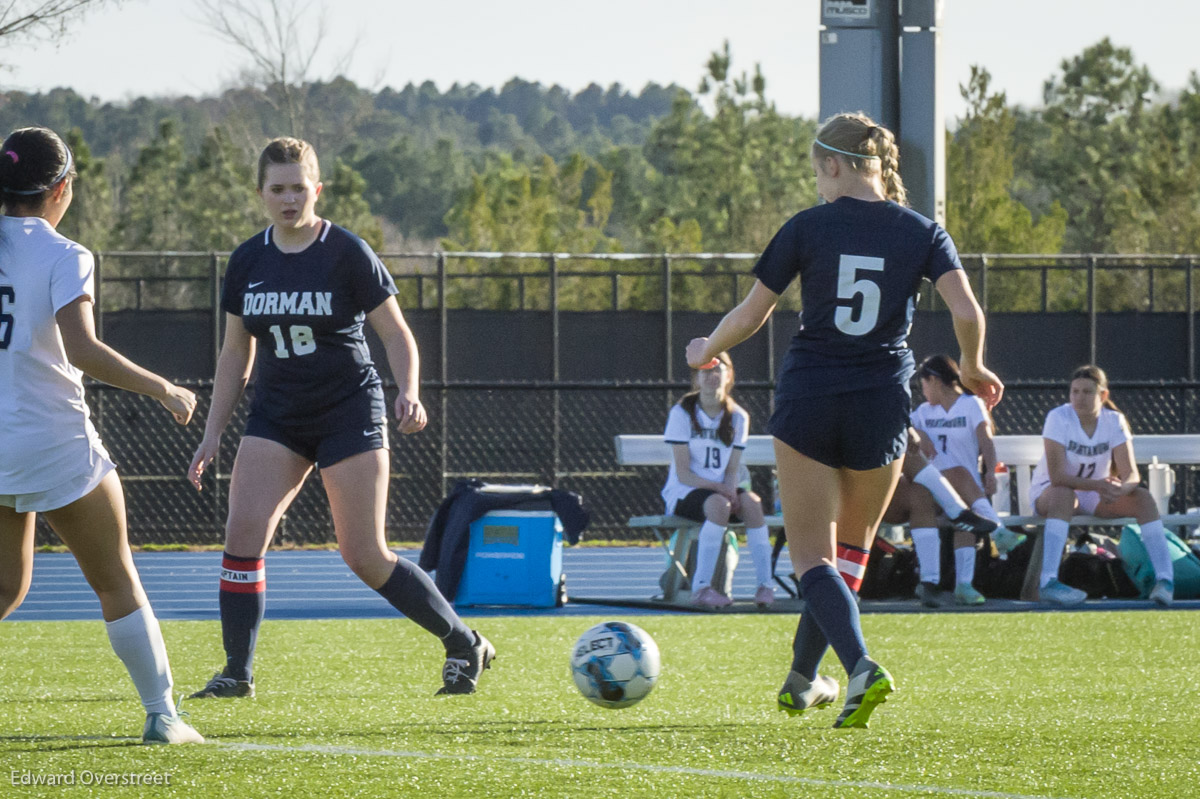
(690, 400)
(863, 146)
(1096, 375)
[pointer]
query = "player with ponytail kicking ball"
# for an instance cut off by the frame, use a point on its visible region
(297, 295)
(51, 459)
(842, 397)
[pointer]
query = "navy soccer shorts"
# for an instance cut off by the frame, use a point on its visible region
(858, 430)
(358, 424)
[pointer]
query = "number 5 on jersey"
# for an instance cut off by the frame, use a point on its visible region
(302, 340)
(850, 287)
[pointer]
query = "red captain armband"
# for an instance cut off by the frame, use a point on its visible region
(852, 565)
(243, 575)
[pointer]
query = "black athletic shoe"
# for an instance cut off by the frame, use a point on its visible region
(462, 669)
(929, 595)
(971, 522)
(222, 686)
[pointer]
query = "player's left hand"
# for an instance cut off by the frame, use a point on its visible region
(695, 354)
(410, 413)
(983, 383)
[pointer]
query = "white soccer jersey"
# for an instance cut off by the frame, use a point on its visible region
(952, 432)
(46, 437)
(708, 454)
(1089, 457)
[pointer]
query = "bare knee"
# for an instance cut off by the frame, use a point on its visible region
(717, 509)
(1145, 508)
(1057, 502)
(369, 563)
(750, 509)
(248, 538)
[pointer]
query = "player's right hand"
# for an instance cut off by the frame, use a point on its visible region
(1110, 488)
(983, 383)
(410, 413)
(180, 402)
(695, 354)
(204, 456)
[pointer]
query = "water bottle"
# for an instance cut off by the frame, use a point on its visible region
(775, 492)
(1160, 478)
(1002, 499)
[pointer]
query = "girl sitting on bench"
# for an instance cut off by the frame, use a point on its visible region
(707, 432)
(1088, 467)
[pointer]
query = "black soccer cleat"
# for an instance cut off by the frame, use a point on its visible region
(971, 522)
(462, 669)
(222, 686)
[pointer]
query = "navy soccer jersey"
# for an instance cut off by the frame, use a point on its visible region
(306, 312)
(860, 265)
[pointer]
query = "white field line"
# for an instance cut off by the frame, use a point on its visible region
(654, 769)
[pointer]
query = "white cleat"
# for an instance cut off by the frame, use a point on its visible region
(163, 729)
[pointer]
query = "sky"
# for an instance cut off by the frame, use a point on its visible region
(162, 47)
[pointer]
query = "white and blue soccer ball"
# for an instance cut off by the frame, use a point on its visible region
(615, 664)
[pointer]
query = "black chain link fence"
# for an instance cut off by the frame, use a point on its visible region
(161, 309)
(558, 434)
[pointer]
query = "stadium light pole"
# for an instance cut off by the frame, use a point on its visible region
(882, 59)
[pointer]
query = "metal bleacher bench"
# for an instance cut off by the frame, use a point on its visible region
(1020, 453)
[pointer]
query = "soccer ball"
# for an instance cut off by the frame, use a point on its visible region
(615, 664)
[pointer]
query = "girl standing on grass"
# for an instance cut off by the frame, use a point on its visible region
(842, 397)
(297, 295)
(707, 432)
(51, 459)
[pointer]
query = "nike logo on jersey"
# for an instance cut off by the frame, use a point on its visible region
(255, 285)
(300, 303)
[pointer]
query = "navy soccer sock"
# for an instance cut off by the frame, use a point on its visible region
(242, 600)
(833, 608)
(809, 646)
(411, 591)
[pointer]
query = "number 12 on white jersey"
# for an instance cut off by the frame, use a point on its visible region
(849, 287)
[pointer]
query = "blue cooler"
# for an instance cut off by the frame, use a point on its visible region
(514, 558)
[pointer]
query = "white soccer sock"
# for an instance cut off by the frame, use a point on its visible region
(943, 493)
(1155, 540)
(964, 565)
(708, 549)
(759, 541)
(984, 508)
(138, 642)
(1054, 538)
(928, 544)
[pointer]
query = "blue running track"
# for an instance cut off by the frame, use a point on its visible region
(318, 585)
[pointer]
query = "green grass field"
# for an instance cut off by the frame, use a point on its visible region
(1096, 705)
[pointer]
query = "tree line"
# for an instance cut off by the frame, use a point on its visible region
(1106, 165)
